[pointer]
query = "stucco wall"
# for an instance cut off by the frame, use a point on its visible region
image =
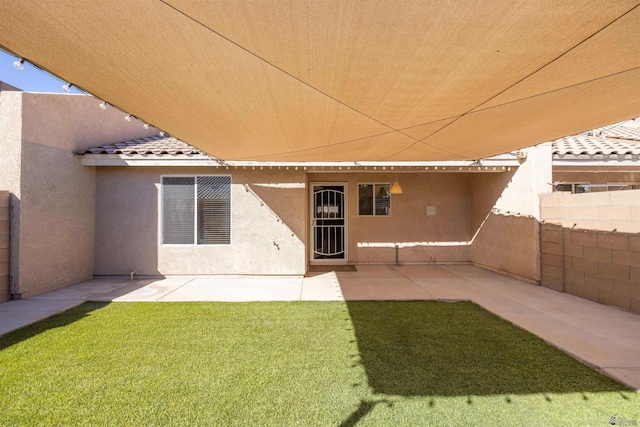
(270, 222)
(506, 212)
(267, 234)
(422, 238)
(5, 209)
(10, 164)
(57, 196)
(10, 138)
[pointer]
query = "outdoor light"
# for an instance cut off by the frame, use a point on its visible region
(146, 125)
(67, 87)
(162, 133)
(19, 65)
(103, 105)
(128, 117)
(395, 187)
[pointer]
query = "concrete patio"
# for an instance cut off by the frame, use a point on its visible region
(605, 338)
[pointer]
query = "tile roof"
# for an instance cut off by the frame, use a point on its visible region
(157, 145)
(625, 130)
(591, 145)
(618, 140)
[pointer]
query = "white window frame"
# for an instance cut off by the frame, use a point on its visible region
(619, 184)
(373, 215)
(195, 201)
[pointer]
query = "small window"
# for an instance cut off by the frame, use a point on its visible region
(196, 210)
(581, 188)
(617, 186)
(374, 199)
(574, 187)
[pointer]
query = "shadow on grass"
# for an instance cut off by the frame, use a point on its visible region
(56, 321)
(363, 409)
(428, 348)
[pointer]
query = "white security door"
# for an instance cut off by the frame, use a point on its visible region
(328, 223)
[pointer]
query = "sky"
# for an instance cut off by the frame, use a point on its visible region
(30, 79)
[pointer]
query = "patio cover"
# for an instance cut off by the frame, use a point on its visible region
(344, 80)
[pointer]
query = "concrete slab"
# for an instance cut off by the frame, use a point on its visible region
(86, 290)
(238, 289)
(420, 271)
(394, 289)
(446, 288)
(53, 306)
(470, 271)
(627, 376)
(324, 287)
(369, 270)
(593, 350)
(152, 290)
(19, 313)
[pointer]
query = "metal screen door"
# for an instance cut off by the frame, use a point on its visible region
(328, 220)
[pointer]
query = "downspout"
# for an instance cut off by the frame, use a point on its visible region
(397, 248)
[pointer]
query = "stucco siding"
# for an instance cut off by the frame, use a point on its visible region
(506, 216)
(11, 137)
(421, 238)
(509, 244)
(57, 219)
(267, 225)
(10, 164)
(57, 194)
(270, 221)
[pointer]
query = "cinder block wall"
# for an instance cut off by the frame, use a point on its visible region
(5, 208)
(583, 252)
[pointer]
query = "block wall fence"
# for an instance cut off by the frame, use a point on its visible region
(5, 211)
(590, 246)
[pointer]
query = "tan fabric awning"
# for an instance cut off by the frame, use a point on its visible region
(296, 80)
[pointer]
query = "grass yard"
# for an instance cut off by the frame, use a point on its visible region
(295, 364)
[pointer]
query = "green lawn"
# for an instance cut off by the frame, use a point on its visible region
(295, 363)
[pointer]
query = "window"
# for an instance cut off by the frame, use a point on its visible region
(617, 186)
(196, 210)
(574, 187)
(374, 199)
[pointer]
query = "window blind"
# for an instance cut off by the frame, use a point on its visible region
(178, 220)
(365, 199)
(214, 210)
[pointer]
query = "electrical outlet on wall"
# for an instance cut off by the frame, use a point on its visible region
(431, 211)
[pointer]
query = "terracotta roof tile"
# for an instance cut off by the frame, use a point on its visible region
(616, 140)
(591, 145)
(625, 130)
(157, 145)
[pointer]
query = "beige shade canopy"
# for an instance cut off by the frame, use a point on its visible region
(298, 80)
